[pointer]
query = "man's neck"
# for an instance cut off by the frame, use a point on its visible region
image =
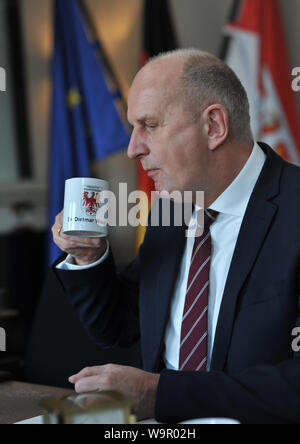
(226, 169)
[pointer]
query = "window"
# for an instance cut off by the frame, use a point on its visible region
(14, 135)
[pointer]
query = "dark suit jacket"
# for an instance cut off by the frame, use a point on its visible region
(255, 375)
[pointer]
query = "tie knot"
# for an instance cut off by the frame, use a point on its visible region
(209, 217)
(205, 219)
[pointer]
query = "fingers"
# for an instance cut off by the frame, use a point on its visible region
(58, 221)
(92, 379)
(71, 244)
(129, 381)
(59, 218)
(57, 227)
(88, 371)
(90, 384)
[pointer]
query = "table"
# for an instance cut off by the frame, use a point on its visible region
(20, 401)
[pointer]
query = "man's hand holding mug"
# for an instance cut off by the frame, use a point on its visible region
(76, 231)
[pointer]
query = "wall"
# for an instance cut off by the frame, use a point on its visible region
(118, 23)
(199, 24)
(8, 158)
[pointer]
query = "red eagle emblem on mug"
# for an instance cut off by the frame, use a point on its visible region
(90, 202)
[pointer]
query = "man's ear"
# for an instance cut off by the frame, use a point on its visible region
(216, 125)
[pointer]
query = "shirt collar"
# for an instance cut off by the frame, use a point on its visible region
(234, 200)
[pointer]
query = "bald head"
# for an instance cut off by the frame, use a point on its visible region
(163, 74)
(168, 66)
(156, 88)
(196, 80)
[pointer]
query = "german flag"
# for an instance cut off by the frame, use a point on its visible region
(159, 36)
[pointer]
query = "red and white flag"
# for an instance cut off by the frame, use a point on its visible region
(257, 52)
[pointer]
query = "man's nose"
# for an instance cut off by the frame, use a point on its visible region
(137, 147)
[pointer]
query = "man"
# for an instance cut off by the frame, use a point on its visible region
(215, 313)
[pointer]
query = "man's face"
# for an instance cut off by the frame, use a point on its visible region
(169, 144)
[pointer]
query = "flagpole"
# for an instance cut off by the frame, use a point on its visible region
(232, 18)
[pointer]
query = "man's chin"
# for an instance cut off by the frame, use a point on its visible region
(174, 195)
(158, 187)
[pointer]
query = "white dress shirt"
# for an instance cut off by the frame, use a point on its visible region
(231, 206)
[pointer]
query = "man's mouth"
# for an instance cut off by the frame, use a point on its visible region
(152, 172)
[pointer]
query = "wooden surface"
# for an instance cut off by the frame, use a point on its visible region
(19, 401)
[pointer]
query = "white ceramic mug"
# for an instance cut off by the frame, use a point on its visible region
(82, 201)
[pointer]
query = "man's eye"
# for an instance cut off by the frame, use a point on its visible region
(151, 125)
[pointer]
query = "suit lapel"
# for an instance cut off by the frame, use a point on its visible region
(258, 218)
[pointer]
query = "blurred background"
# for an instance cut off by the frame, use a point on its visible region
(30, 306)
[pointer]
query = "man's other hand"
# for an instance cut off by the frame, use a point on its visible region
(131, 382)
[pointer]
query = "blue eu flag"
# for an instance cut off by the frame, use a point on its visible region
(85, 122)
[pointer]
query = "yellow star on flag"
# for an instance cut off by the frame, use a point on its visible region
(74, 98)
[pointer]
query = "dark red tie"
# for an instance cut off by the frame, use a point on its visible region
(193, 346)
